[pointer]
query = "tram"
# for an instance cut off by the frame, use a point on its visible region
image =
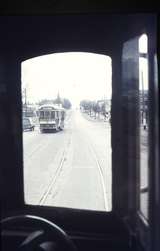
(51, 117)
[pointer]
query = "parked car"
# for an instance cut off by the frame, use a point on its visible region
(28, 124)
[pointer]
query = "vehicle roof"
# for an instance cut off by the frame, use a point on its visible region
(54, 107)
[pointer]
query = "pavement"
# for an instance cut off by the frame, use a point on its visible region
(71, 168)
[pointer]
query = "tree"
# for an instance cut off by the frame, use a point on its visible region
(66, 103)
(86, 105)
(46, 101)
(103, 109)
(95, 108)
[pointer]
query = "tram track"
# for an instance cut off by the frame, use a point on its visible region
(56, 175)
(50, 189)
(100, 169)
(60, 166)
(100, 166)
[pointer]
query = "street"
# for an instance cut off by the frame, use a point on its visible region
(69, 168)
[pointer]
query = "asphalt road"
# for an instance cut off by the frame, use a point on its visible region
(70, 168)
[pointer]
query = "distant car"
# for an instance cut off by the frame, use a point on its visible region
(28, 124)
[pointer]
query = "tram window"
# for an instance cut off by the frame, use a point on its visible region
(67, 161)
(143, 125)
(42, 114)
(52, 115)
(56, 114)
(47, 114)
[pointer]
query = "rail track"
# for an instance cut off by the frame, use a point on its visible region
(50, 188)
(56, 175)
(100, 169)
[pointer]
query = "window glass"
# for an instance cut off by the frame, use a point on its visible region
(52, 115)
(47, 114)
(143, 125)
(67, 161)
(41, 116)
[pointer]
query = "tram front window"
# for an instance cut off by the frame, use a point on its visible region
(41, 116)
(52, 115)
(47, 114)
(70, 166)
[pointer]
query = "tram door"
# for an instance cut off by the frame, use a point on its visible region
(140, 108)
(137, 103)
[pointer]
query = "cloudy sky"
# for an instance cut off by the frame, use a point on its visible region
(74, 75)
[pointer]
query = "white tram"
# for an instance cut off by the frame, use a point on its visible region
(51, 117)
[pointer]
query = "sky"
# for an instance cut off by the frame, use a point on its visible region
(74, 75)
